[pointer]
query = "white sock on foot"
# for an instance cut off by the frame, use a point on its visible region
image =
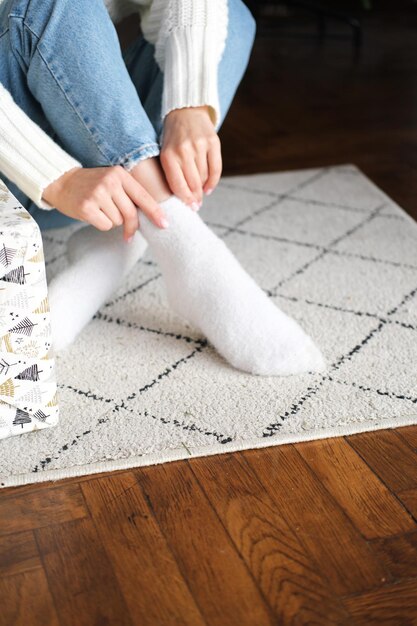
(98, 263)
(207, 286)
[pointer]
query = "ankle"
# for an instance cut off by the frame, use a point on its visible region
(150, 175)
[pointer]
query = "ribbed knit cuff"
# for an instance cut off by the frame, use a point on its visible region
(28, 156)
(35, 192)
(190, 73)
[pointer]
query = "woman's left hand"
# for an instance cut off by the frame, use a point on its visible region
(190, 154)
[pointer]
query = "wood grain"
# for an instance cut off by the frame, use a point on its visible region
(218, 579)
(80, 576)
(26, 599)
(394, 604)
(284, 570)
(146, 570)
(18, 553)
(327, 532)
(374, 510)
(41, 508)
(392, 460)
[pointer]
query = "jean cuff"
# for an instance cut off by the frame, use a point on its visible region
(144, 152)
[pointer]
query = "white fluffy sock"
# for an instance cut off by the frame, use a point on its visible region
(207, 286)
(98, 263)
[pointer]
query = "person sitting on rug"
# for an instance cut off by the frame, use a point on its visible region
(127, 142)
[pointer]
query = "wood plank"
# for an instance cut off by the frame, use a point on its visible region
(22, 490)
(216, 575)
(148, 575)
(409, 498)
(342, 554)
(389, 457)
(80, 577)
(18, 553)
(399, 555)
(393, 605)
(287, 575)
(25, 600)
(40, 508)
(409, 434)
(373, 509)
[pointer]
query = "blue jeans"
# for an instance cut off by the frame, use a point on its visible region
(62, 62)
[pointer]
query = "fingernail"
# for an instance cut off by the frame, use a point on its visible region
(164, 222)
(129, 240)
(200, 204)
(209, 191)
(194, 206)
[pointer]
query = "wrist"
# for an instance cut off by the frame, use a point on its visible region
(204, 109)
(55, 189)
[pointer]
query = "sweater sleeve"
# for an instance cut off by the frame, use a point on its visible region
(189, 38)
(28, 156)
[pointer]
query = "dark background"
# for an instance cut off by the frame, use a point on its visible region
(312, 98)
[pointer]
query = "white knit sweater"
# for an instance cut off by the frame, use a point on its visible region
(189, 38)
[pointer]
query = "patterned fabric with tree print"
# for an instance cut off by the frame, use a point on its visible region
(28, 391)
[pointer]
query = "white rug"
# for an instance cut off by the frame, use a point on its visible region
(141, 387)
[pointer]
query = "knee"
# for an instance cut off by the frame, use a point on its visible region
(63, 19)
(28, 22)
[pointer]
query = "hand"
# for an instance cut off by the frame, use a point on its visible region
(190, 153)
(104, 197)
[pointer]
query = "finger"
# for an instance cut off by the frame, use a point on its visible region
(110, 209)
(214, 159)
(175, 179)
(99, 220)
(202, 165)
(143, 200)
(192, 177)
(129, 212)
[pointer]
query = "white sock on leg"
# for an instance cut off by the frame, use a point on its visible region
(98, 263)
(207, 286)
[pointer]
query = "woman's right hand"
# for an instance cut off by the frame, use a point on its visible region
(104, 197)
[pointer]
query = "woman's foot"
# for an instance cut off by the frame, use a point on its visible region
(98, 263)
(206, 285)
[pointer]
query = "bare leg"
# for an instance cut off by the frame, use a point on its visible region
(150, 174)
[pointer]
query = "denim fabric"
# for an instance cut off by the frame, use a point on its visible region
(62, 62)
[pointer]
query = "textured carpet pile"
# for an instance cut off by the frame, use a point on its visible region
(140, 386)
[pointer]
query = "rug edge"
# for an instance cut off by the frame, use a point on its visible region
(177, 454)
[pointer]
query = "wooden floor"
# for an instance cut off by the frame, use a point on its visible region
(323, 532)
